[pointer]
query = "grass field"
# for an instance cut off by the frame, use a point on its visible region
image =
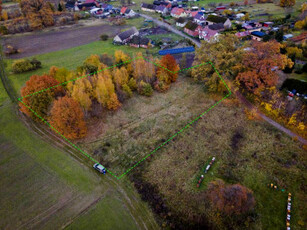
(143, 123)
(43, 187)
(70, 59)
(251, 153)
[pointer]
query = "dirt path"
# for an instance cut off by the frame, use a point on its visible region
(58, 39)
(250, 106)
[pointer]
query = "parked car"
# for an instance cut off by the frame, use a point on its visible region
(99, 168)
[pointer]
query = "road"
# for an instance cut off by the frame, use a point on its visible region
(170, 28)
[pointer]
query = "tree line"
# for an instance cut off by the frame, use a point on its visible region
(67, 106)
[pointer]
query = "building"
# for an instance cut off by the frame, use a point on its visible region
(106, 7)
(199, 19)
(161, 9)
(287, 36)
(138, 41)
(220, 8)
(127, 12)
(181, 22)
(192, 29)
(148, 7)
(207, 34)
(242, 34)
(126, 36)
(178, 12)
(257, 35)
(214, 19)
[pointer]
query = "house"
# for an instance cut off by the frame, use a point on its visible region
(178, 12)
(240, 15)
(106, 7)
(252, 26)
(126, 36)
(217, 27)
(208, 34)
(192, 29)
(181, 22)
(287, 36)
(214, 19)
(161, 9)
(268, 24)
(88, 4)
(220, 8)
(243, 34)
(199, 19)
(148, 7)
(193, 13)
(138, 41)
(257, 35)
(127, 12)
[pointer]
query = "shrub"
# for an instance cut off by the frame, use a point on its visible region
(24, 65)
(127, 90)
(145, 89)
(3, 30)
(104, 37)
(132, 84)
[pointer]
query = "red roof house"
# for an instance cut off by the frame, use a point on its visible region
(192, 29)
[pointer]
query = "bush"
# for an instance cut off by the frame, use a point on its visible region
(3, 30)
(132, 84)
(24, 65)
(127, 90)
(104, 37)
(145, 89)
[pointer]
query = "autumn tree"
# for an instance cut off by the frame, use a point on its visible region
(168, 67)
(120, 76)
(104, 90)
(0, 8)
(259, 65)
(302, 24)
(38, 12)
(122, 59)
(294, 52)
(39, 102)
(81, 91)
(143, 69)
(287, 3)
(61, 74)
(230, 199)
(304, 7)
(91, 64)
(67, 117)
(226, 55)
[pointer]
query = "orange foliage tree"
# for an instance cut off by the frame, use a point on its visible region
(230, 199)
(259, 65)
(67, 117)
(39, 102)
(169, 67)
(38, 12)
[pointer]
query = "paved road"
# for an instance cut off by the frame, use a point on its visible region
(170, 28)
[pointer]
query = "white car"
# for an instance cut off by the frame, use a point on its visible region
(99, 168)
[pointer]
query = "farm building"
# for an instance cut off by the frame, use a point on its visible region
(148, 7)
(161, 9)
(257, 35)
(192, 29)
(138, 41)
(213, 19)
(124, 37)
(177, 50)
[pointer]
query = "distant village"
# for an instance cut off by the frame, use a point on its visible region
(198, 23)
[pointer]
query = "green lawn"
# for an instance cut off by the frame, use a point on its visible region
(110, 213)
(70, 59)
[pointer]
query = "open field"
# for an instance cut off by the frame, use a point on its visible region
(248, 152)
(43, 187)
(46, 42)
(124, 137)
